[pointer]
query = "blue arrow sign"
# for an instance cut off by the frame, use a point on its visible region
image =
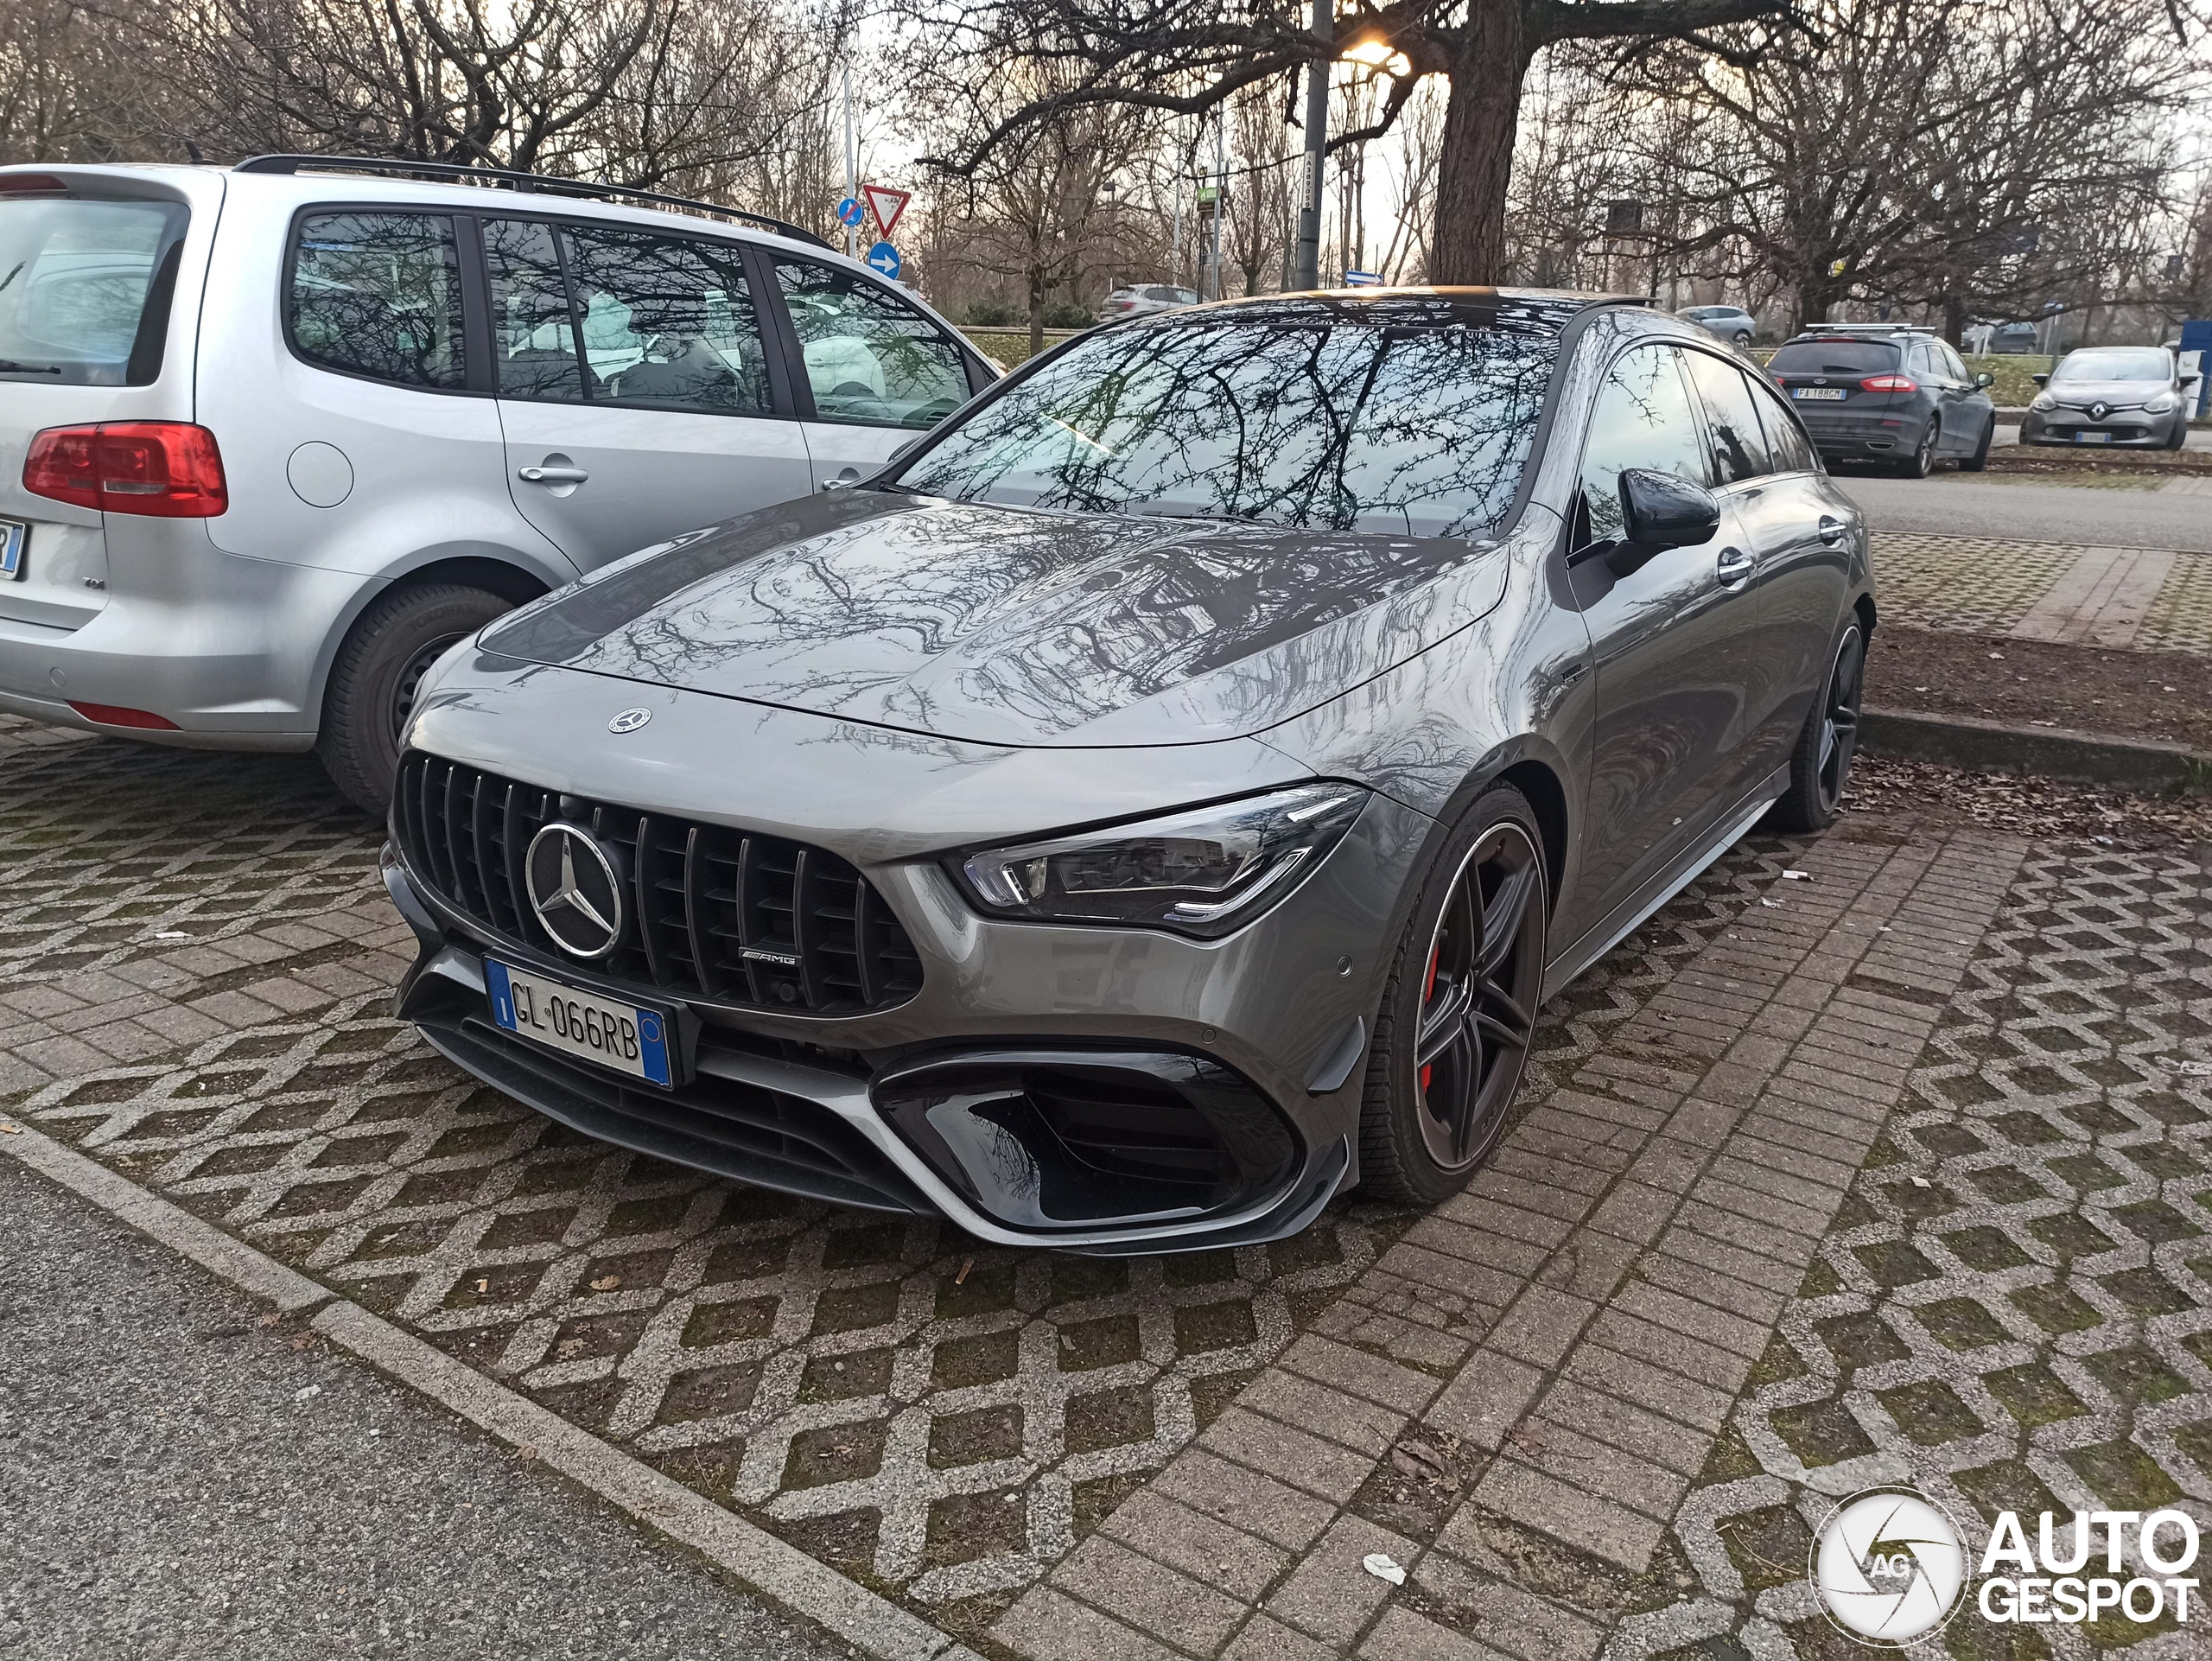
(1362, 280)
(849, 210)
(885, 258)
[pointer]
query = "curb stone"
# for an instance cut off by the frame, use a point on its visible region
(781, 1574)
(2049, 753)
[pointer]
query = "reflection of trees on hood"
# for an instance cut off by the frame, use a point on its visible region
(1411, 414)
(1002, 623)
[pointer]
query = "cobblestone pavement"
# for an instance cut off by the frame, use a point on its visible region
(2147, 599)
(1560, 1399)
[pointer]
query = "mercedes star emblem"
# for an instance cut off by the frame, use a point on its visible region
(629, 721)
(574, 890)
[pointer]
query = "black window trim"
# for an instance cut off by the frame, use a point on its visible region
(1576, 543)
(476, 376)
(767, 312)
(1704, 412)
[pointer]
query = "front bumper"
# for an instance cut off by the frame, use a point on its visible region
(2121, 429)
(1083, 1088)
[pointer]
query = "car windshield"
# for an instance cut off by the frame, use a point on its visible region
(1332, 424)
(1834, 358)
(75, 276)
(2115, 363)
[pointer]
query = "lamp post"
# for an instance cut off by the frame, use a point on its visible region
(852, 167)
(1307, 272)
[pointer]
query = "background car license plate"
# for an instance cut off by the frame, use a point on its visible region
(2093, 438)
(14, 535)
(615, 1034)
(1818, 394)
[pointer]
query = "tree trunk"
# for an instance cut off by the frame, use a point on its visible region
(1954, 318)
(1475, 164)
(1036, 309)
(1816, 292)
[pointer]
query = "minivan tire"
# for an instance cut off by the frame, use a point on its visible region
(1407, 1154)
(371, 689)
(1922, 461)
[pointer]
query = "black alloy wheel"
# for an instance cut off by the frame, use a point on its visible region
(1461, 1011)
(1820, 768)
(410, 681)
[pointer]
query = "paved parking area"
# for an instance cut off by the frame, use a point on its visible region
(2150, 599)
(1894, 1166)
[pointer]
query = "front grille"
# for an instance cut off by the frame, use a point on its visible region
(702, 901)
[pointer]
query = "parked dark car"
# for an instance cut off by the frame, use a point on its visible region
(1165, 796)
(1730, 323)
(2127, 397)
(2014, 340)
(1894, 395)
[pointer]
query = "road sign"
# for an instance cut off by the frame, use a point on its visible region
(849, 212)
(887, 204)
(884, 257)
(1362, 280)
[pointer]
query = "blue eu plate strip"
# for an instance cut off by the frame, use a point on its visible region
(503, 995)
(11, 547)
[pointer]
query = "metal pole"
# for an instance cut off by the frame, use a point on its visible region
(852, 166)
(1307, 272)
(1220, 191)
(1175, 256)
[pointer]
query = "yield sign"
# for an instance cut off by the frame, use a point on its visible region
(886, 204)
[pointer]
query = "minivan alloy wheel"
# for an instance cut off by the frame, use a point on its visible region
(410, 681)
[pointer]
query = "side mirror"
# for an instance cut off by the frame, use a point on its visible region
(1985, 378)
(2040, 380)
(1660, 511)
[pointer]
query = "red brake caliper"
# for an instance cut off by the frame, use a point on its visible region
(1428, 991)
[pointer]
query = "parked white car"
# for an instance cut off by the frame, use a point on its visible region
(272, 438)
(1143, 300)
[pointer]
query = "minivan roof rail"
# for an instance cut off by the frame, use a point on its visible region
(507, 178)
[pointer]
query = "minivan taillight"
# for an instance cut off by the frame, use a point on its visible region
(1889, 383)
(163, 469)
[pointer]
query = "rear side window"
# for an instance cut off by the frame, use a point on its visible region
(1834, 358)
(534, 349)
(871, 359)
(1739, 445)
(378, 295)
(1644, 418)
(85, 289)
(667, 321)
(1785, 440)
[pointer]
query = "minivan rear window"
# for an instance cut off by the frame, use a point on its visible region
(84, 287)
(1834, 358)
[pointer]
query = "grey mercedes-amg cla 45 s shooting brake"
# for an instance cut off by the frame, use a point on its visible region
(1164, 796)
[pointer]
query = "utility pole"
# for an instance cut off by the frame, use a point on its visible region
(1307, 271)
(1175, 256)
(1220, 190)
(852, 166)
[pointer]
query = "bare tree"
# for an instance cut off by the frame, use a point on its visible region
(1173, 55)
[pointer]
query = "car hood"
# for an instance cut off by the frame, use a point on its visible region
(1011, 626)
(2121, 394)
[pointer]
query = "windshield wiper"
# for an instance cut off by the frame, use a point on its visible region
(10, 367)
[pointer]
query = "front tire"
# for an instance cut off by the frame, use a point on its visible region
(372, 684)
(1819, 766)
(1980, 459)
(1458, 1018)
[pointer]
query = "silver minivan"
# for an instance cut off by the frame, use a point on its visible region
(273, 437)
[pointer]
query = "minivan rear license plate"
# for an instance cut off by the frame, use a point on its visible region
(14, 536)
(1818, 394)
(615, 1032)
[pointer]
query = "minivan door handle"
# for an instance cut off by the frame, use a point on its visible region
(1733, 567)
(1832, 530)
(551, 475)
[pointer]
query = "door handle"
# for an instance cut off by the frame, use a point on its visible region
(844, 480)
(1832, 530)
(551, 475)
(1733, 566)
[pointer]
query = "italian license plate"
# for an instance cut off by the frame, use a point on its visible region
(14, 536)
(613, 1032)
(1817, 394)
(2093, 438)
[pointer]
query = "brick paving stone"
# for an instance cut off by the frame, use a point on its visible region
(1268, 1640)
(1052, 1627)
(1402, 1635)
(1331, 1594)
(1202, 1547)
(1155, 1601)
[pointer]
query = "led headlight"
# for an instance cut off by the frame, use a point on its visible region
(2159, 404)
(2042, 401)
(1204, 871)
